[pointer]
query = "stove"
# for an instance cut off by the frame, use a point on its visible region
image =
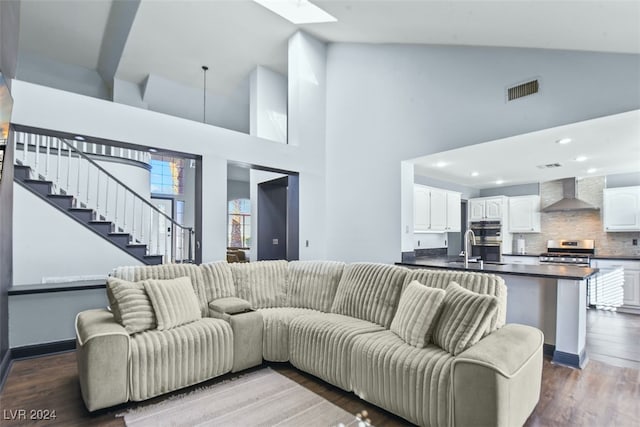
(572, 252)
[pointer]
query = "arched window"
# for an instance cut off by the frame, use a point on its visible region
(239, 226)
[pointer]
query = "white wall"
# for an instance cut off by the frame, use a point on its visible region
(59, 247)
(49, 108)
(268, 104)
(388, 103)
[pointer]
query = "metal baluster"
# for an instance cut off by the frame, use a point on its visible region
(68, 189)
(46, 161)
(141, 221)
(158, 236)
(150, 230)
(133, 216)
(124, 210)
(182, 230)
(166, 244)
(98, 192)
(58, 145)
(106, 200)
(37, 162)
(78, 163)
(115, 220)
(88, 180)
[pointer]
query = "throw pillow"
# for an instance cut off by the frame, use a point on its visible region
(464, 319)
(130, 305)
(174, 301)
(418, 308)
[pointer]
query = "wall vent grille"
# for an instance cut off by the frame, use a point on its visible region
(524, 89)
(550, 166)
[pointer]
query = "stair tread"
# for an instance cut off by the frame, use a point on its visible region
(81, 209)
(65, 196)
(38, 180)
(99, 221)
(118, 234)
(137, 245)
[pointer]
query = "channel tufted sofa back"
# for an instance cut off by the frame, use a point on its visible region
(313, 284)
(369, 291)
(218, 280)
(262, 283)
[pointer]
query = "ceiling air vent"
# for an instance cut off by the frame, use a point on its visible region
(524, 89)
(550, 166)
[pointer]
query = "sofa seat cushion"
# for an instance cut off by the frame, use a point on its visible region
(321, 344)
(275, 338)
(313, 284)
(229, 305)
(412, 382)
(162, 361)
(369, 292)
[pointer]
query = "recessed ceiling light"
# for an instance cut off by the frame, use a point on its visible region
(581, 158)
(564, 141)
(500, 182)
(441, 164)
(591, 170)
(78, 138)
(297, 11)
(474, 173)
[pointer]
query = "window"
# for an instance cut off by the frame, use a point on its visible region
(239, 226)
(166, 175)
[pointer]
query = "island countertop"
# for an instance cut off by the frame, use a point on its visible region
(551, 271)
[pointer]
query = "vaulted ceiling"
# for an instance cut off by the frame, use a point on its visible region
(173, 39)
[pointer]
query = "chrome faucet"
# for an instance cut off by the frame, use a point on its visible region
(466, 245)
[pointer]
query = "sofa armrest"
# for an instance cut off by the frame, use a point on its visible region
(102, 353)
(497, 381)
(222, 308)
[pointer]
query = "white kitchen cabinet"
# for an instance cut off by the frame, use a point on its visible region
(524, 214)
(631, 285)
(435, 210)
(621, 211)
(454, 211)
(521, 259)
(486, 208)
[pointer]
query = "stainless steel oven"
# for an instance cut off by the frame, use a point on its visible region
(488, 245)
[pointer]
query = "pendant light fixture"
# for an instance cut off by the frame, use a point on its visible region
(204, 94)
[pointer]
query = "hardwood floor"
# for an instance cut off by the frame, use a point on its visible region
(599, 395)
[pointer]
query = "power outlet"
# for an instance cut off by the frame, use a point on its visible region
(634, 242)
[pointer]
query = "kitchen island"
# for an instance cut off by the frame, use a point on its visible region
(552, 298)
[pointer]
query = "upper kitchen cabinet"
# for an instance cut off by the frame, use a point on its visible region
(486, 208)
(621, 210)
(524, 214)
(435, 210)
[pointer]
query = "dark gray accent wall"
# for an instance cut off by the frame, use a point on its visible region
(6, 253)
(293, 220)
(623, 180)
(511, 190)
(272, 219)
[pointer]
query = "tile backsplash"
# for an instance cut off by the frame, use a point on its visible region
(579, 224)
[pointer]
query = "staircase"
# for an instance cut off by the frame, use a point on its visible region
(85, 216)
(98, 200)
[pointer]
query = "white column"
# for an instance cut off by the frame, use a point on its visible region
(571, 323)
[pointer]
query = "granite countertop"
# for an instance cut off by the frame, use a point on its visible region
(597, 256)
(550, 271)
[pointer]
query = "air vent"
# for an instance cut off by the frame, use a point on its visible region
(524, 89)
(550, 166)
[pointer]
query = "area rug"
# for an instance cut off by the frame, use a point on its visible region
(259, 398)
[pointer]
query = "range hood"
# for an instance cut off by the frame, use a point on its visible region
(570, 201)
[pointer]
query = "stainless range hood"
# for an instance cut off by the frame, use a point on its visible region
(570, 201)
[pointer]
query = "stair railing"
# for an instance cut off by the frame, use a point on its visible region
(74, 173)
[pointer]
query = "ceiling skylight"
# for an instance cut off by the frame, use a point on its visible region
(297, 11)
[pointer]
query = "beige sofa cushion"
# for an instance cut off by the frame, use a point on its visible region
(230, 305)
(275, 337)
(174, 302)
(480, 283)
(369, 292)
(262, 283)
(465, 318)
(313, 284)
(218, 280)
(164, 272)
(419, 306)
(130, 305)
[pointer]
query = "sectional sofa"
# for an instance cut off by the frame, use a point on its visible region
(429, 346)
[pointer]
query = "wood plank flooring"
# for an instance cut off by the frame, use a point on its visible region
(599, 395)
